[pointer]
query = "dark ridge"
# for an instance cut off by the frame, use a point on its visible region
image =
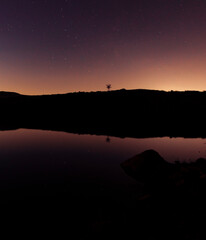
(8, 94)
(122, 113)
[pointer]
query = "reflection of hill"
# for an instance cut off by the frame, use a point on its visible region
(134, 113)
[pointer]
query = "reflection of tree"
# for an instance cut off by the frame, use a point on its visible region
(108, 140)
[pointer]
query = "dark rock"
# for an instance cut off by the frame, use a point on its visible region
(147, 166)
(172, 195)
(179, 180)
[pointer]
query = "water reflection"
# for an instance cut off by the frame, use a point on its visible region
(83, 180)
(108, 139)
(60, 144)
(57, 161)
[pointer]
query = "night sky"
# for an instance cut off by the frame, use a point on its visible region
(57, 46)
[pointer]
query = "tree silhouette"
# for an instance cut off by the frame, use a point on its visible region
(109, 86)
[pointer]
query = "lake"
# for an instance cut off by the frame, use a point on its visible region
(76, 182)
(37, 162)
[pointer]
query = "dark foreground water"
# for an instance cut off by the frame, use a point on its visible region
(49, 162)
(77, 180)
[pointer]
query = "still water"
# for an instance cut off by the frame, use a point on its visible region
(37, 162)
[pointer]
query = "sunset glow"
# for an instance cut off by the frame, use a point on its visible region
(65, 46)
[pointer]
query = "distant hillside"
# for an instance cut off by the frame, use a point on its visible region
(125, 113)
(122, 92)
(8, 94)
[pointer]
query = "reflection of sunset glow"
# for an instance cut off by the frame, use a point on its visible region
(171, 149)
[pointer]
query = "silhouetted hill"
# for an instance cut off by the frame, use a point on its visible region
(8, 94)
(134, 113)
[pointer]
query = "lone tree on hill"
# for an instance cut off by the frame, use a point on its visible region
(109, 86)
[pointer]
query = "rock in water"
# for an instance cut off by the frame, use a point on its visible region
(147, 166)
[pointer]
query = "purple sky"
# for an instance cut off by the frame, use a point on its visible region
(56, 46)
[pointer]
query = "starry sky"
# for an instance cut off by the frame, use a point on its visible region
(58, 46)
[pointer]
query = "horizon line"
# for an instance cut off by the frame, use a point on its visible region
(113, 90)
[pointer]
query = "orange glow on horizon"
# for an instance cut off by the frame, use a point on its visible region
(178, 74)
